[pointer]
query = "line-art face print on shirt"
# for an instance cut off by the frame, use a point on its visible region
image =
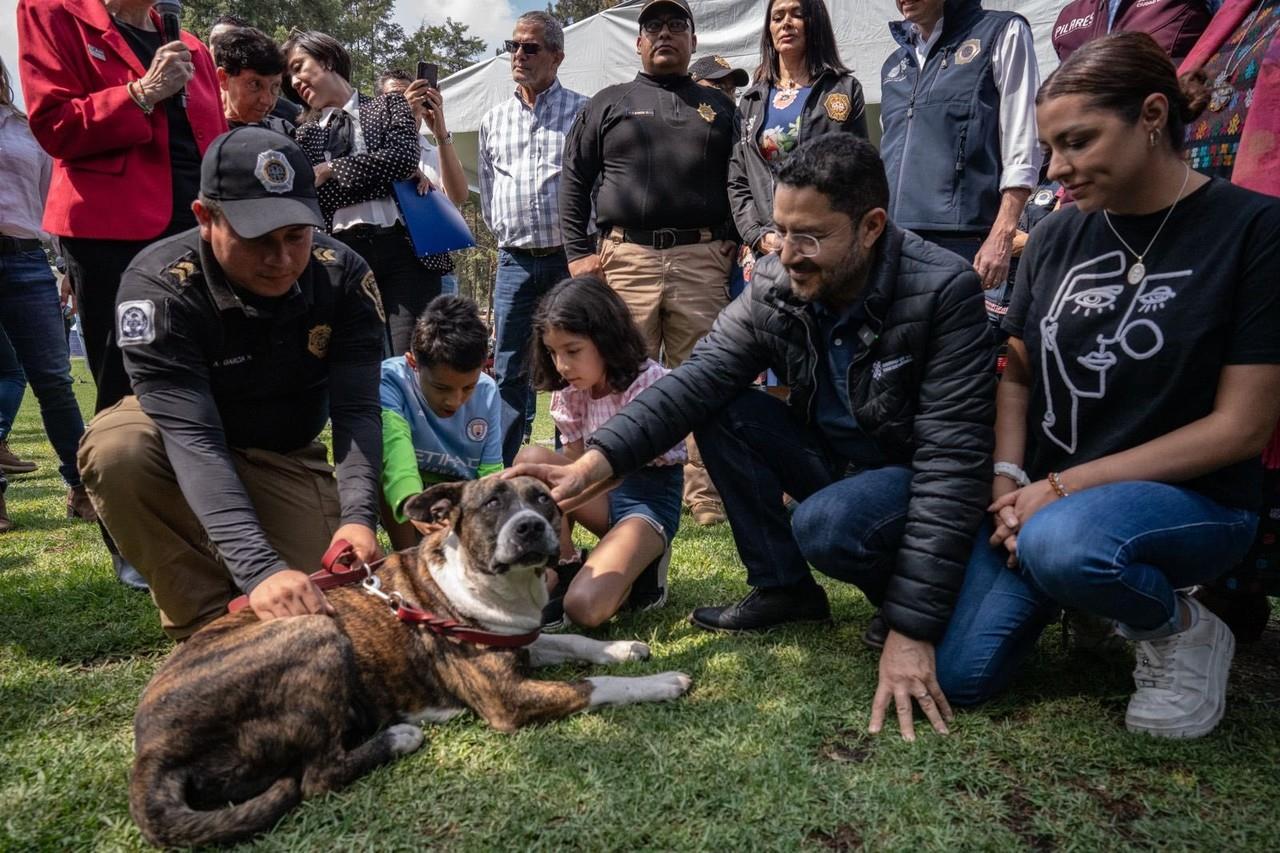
(1100, 319)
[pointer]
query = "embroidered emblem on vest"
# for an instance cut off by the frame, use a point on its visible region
(837, 106)
(708, 114)
(968, 51)
(318, 340)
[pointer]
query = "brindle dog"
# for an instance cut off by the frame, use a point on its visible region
(247, 718)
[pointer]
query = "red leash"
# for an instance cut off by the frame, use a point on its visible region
(341, 567)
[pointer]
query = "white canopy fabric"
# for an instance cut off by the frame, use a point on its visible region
(600, 51)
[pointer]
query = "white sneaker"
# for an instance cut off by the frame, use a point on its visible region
(1182, 679)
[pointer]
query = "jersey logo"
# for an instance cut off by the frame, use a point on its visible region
(135, 322)
(968, 51)
(708, 114)
(837, 106)
(318, 340)
(477, 429)
(370, 289)
(274, 172)
(325, 256)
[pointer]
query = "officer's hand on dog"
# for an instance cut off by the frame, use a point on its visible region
(908, 673)
(288, 593)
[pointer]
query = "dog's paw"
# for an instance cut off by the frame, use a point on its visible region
(610, 690)
(621, 651)
(404, 738)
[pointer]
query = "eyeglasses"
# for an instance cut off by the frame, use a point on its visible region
(807, 245)
(530, 48)
(653, 26)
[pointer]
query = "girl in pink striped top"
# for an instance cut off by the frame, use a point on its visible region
(589, 353)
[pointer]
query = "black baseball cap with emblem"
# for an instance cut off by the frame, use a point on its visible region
(716, 67)
(653, 7)
(261, 180)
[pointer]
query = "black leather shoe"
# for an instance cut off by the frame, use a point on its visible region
(877, 632)
(767, 607)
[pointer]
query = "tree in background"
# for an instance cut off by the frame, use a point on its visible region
(571, 11)
(364, 27)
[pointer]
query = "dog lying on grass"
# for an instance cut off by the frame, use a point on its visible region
(247, 718)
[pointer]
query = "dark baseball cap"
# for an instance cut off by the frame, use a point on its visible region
(653, 7)
(261, 180)
(716, 67)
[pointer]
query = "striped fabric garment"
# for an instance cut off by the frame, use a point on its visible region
(520, 154)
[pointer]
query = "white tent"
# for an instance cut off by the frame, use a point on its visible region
(600, 51)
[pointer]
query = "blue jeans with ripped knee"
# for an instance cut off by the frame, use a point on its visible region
(1117, 551)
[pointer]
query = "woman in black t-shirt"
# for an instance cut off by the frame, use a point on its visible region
(1142, 385)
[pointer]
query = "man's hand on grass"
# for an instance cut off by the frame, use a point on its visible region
(908, 674)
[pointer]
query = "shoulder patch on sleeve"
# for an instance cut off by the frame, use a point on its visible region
(135, 322)
(369, 287)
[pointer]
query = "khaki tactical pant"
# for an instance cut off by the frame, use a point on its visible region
(674, 295)
(133, 488)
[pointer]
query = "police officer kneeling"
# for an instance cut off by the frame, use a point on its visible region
(241, 338)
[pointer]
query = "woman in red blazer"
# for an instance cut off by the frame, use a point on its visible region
(100, 87)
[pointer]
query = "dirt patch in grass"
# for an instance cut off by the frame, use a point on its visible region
(843, 837)
(1255, 674)
(1020, 820)
(847, 746)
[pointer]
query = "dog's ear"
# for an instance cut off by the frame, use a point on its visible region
(435, 504)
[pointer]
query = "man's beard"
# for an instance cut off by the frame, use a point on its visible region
(839, 284)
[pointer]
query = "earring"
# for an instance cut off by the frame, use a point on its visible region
(1154, 138)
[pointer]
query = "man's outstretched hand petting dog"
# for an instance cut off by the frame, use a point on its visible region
(908, 672)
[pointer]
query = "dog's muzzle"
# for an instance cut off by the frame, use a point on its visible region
(526, 540)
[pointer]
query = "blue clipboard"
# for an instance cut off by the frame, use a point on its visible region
(434, 224)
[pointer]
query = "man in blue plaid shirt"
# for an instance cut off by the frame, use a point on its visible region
(521, 146)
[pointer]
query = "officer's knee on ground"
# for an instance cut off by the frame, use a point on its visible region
(120, 446)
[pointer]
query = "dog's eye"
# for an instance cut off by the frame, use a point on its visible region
(492, 503)
(544, 499)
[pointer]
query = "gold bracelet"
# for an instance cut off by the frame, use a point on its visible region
(1055, 482)
(137, 97)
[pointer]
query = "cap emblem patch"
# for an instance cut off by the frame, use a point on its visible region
(274, 172)
(721, 61)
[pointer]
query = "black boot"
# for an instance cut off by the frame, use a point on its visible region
(766, 607)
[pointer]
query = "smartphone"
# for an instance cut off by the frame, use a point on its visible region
(430, 72)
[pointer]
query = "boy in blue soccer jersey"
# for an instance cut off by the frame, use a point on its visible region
(441, 417)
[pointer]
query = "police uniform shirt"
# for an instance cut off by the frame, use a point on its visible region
(217, 368)
(652, 153)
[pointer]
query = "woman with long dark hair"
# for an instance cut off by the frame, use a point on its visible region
(359, 146)
(801, 90)
(1143, 381)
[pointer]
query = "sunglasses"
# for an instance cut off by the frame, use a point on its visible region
(531, 48)
(653, 26)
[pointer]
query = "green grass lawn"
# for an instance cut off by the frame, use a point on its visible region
(768, 751)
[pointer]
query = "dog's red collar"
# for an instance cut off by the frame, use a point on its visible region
(340, 567)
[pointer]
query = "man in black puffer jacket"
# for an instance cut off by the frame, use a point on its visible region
(885, 441)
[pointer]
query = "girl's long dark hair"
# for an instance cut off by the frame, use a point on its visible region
(820, 50)
(587, 306)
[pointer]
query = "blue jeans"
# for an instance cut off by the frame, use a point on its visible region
(848, 527)
(521, 283)
(32, 319)
(13, 384)
(1117, 551)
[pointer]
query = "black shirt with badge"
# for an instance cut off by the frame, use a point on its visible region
(653, 153)
(1115, 365)
(217, 368)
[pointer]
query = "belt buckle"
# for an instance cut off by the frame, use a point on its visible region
(661, 236)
